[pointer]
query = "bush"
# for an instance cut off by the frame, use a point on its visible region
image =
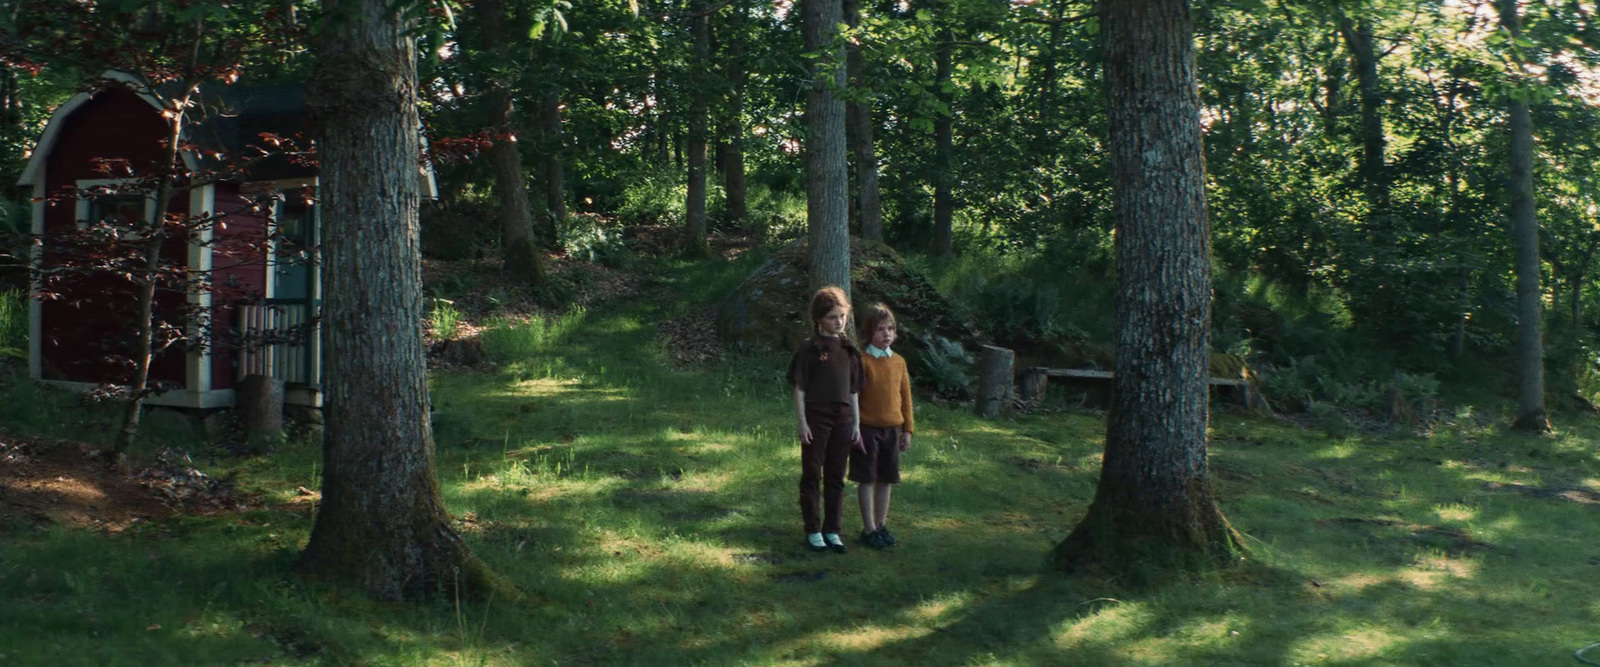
(587, 237)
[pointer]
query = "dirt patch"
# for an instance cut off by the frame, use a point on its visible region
(46, 482)
(692, 338)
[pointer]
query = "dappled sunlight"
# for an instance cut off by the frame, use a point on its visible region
(1366, 643)
(939, 608)
(1339, 451)
(555, 386)
(1437, 568)
(1105, 623)
(869, 637)
(1455, 512)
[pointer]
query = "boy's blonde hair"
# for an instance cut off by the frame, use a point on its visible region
(875, 315)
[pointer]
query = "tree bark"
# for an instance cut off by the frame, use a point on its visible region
(510, 182)
(994, 381)
(1358, 38)
(1154, 505)
(858, 115)
(381, 524)
(695, 207)
(733, 125)
(827, 185)
(943, 147)
(555, 172)
(1525, 236)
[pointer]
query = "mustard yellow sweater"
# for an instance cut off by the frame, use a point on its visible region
(886, 396)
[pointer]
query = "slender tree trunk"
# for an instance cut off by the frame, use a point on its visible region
(555, 173)
(943, 147)
(1579, 275)
(1525, 236)
(381, 524)
(699, 112)
(144, 336)
(520, 257)
(827, 185)
(733, 125)
(1358, 37)
(858, 115)
(1154, 502)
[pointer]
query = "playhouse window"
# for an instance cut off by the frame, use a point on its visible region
(294, 240)
(119, 210)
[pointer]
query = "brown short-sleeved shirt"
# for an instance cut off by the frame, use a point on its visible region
(827, 369)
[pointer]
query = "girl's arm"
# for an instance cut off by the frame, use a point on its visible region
(800, 415)
(855, 426)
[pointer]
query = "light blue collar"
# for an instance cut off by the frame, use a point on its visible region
(877, 353)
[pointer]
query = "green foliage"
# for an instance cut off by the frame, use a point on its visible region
(444, 319)
(589, 238)
(512, 340)
(655, 197)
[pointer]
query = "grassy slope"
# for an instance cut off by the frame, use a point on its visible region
(653, 510)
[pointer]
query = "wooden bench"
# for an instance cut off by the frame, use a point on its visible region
(1036, 379)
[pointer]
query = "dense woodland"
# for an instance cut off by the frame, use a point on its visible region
(1359, 156)
(1397, 194)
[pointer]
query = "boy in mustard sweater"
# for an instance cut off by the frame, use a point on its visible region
(886, 426)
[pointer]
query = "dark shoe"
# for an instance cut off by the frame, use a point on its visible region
(886, 537)
(873, 539)
(835, 545)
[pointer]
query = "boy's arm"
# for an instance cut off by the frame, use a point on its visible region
(909, 424)
(804, 431)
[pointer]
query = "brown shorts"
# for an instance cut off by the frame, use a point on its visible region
(880, 464)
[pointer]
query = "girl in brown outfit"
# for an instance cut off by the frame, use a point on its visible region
(826, 375)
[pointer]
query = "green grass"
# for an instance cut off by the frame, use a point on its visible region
(652, 509)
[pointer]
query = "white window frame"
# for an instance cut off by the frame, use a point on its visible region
(85, 204)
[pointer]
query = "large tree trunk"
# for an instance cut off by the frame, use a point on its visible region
(555, 173)
(381, 524)
(519, 257)
(858, 115)
(1525, 235)
(943, 147)
(1358, 37)
(1154, 503)
(827, 186)
(695, 207)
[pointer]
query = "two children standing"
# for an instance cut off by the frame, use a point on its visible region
(852, 408)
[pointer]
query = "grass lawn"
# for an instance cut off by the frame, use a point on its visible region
(652, 510)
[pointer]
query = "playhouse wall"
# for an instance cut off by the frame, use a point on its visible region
(92, 324)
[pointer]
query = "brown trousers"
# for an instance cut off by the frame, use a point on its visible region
(824, 461)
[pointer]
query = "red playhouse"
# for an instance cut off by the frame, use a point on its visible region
(274, 296)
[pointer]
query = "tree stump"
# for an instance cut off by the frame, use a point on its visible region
(1035, 382)
(994, 381)
(261, 406)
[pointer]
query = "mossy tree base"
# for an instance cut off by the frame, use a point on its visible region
(522, 262)
(437, 565)
(1142, 545)
(1532, 422)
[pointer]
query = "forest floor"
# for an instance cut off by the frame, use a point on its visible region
(647, 496)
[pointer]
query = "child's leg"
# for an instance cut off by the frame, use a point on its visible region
(838, 457)
(866, 496)
(812, 461)
(880, 503)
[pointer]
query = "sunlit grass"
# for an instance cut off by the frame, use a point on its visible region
(651, 511)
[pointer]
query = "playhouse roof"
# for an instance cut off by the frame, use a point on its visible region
(232, 119)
